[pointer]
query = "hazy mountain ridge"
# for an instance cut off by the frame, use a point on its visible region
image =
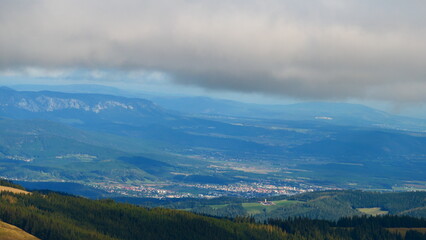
(46, 101)
(118, 115)
(345, 114)
(131, 139)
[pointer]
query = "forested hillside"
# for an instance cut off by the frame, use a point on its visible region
(49, 215)
(328, 205)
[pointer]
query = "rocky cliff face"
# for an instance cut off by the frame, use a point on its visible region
(48, 104)
(52, 101)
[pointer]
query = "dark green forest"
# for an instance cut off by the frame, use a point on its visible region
(50, 215)
(327, 205)
(359, 228)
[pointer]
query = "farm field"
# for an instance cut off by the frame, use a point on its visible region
(372, 211)
(256, 208)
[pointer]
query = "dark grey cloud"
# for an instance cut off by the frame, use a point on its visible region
(319, 49)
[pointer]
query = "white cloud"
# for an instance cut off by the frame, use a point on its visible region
(319, 49)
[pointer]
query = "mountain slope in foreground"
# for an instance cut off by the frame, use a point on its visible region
(52, 216)
(10, 232)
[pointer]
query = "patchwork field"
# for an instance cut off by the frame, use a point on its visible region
(256, 208)
(372, 211)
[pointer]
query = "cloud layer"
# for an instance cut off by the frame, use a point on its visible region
(319, 49)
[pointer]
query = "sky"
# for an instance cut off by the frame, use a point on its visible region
(321, 50)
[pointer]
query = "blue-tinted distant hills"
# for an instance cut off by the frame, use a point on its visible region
(173, 123)
(131, 117)
(329, 112)
(40, 150)
(56, 105)
(364, 144)
(93, 137)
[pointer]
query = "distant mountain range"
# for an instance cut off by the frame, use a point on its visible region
(55, 136)
(333, 113)
(24, 104)
(130, 117)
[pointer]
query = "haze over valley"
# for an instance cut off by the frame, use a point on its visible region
(139, 148)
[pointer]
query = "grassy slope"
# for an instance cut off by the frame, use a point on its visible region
(10, 232)
(13, 190)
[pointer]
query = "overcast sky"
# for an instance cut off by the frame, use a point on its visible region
(309, 50)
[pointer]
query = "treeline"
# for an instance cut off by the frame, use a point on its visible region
(7, 183)
(394, 203)
(386, 221)
(352, 228)
(52, 216)
(181, 203)
(329, 205)
(333, 205)
(229, 211)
